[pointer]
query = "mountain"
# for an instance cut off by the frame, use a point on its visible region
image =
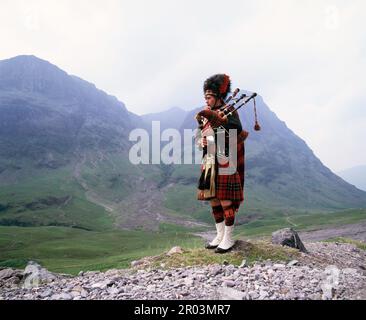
(48, 114)
(63, 149)
(355, 176)
(64, 155)
(64, 161)
(171, 118)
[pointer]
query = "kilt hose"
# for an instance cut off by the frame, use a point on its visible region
(218, 213)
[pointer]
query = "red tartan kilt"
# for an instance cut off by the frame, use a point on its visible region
(229, 187)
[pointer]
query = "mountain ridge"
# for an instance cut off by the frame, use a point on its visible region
(73, 144)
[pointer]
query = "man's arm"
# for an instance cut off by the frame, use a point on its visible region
(233, 122)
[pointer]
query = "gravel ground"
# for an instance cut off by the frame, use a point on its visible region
(328, 271)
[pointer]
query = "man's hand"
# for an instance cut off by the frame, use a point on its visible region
(223, 116)
(198, 117)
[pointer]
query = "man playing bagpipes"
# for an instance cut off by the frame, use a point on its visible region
(222, 170)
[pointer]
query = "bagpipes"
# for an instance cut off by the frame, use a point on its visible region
(231, 106)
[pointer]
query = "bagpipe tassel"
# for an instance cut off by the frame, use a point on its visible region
(257, 127)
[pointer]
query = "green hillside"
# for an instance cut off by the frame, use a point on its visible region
(68, 250)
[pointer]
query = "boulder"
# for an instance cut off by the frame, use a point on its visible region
(293, 263)
(288, 237)
(6, 273)
(330, 282)
(35, 275)
(10, 277)
(136, 263)
(175, 250)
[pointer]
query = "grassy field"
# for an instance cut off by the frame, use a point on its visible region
(68, 250)
(299, 221)
(25, 203)
(79, 235)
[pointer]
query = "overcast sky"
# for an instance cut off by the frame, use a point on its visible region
(306, 58)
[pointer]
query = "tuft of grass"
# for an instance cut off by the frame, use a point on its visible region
(357, 243)
(253, 251)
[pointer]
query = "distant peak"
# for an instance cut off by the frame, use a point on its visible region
(26, 56)
(28, 64)
(176, 109)
(31, 58)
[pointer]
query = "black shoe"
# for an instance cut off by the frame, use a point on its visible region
(208, 246)
(220, 250)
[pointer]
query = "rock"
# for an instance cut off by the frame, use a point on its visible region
(6, 273)
(46, 293)
(90, 273)
(263, 294)
(328, 291)
(226, 293)
(83, 293)
(35, 276)
(330, 282)
(62, 296)
(315, 296)
(136, 263)
(188, 282)
(75, 294)
(253, 295)
(288, 237)
(332, 274)
(175, 250)
(293, 263)
(216, 271)
(349, 271)
(151, 287)
(177, 284)
(113, 291)
(243, 264)
(14, 280)
(229, 283)
(291, 294)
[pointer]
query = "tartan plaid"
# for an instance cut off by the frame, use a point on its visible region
(213, 118)
(229, 187)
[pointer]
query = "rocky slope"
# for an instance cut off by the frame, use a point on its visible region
(328, 271)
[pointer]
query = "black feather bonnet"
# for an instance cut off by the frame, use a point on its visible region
(218, 85)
